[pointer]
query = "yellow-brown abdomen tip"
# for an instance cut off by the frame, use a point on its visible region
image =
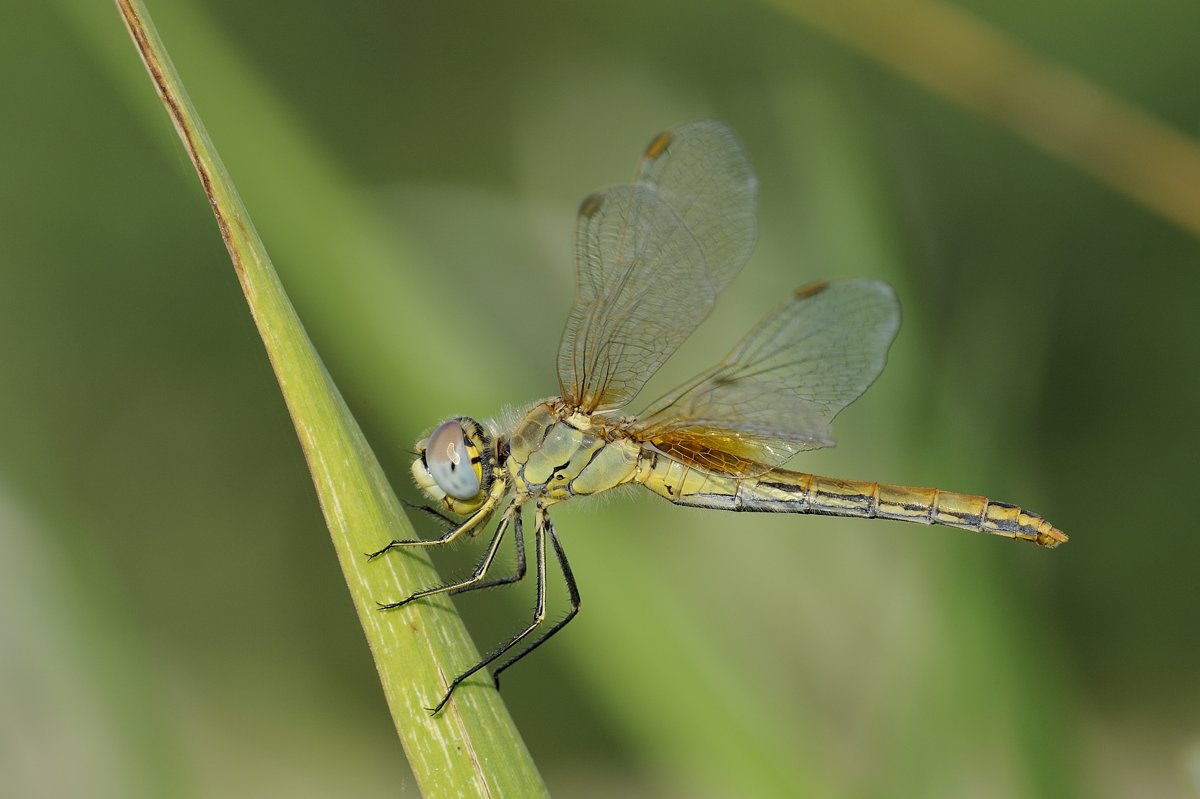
(659, 145)
(1050, 537)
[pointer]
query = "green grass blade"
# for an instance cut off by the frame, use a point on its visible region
(472, 748)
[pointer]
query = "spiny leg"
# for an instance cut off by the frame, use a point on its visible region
(476, 520)
(450, 535)
(445, 521)
(476, 579)
(517, 576)
(539, 615)
(572, 590)
(442, 519)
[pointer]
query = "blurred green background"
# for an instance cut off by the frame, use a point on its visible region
(172, 619)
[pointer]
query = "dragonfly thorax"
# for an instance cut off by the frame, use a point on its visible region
(556, 452)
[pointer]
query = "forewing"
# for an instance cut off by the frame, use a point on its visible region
(778, 391)
(650, 260)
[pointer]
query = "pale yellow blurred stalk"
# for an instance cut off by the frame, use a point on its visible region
(972, 64)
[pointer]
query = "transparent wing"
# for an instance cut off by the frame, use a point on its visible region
(776, 393)
(650, 260)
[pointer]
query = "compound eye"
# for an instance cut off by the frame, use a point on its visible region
(449, 459)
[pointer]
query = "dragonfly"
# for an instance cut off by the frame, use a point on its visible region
(651, 258)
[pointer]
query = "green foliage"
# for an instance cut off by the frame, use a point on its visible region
(173, 623)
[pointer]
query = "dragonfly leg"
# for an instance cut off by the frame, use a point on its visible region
(475, 581)
(446, 522)
(473, 522)
(573, 592)
(515, 577)
(539, 615)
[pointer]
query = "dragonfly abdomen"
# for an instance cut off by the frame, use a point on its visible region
(925, 506)
(780, 491)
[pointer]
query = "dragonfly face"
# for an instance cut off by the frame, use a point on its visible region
(651, 258)
(454, 465)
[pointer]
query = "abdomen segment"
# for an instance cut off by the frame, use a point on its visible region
(780, 491)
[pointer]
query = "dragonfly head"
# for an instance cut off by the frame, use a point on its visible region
(454, 465)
